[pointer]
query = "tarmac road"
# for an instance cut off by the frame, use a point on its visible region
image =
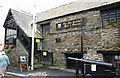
(11, 76)
(43, 73)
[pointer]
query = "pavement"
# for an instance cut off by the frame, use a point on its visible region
(40, 73)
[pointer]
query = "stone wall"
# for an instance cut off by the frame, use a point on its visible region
(96, 39)
(14, 54)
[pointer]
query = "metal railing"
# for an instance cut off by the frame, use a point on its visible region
(99, 64)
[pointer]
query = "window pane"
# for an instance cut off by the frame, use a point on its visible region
(11, 36)
(118, 15)
(105, 18)
(43, 30)
(46, 28)
(112, 16)
(11, 40)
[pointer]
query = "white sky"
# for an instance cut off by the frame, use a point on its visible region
(41, 5)
(27, 5)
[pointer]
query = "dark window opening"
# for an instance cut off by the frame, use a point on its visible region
(110, 16)
(11, 36)
(58, 40)
(112, 57)
(45, 28)
(47, 60)
(71, 64)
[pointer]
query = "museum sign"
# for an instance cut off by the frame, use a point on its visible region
(68, 24)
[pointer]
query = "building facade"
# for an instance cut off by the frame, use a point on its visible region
(64, 28)
(18, 32)
(67, 30)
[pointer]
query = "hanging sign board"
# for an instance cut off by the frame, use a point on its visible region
(37, 40)
(73, 23)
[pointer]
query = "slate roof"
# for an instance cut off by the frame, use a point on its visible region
(24, 21)
(72, 8)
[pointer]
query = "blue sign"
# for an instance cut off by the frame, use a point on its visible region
(23, 59)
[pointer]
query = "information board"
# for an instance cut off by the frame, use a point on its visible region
(72, 23)
(23, 59)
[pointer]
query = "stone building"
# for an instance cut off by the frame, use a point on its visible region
(62, 30)
(18, 32)
(64, 27)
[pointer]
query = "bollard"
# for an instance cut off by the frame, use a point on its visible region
(77, 69)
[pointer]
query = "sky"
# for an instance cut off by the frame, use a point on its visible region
(41, 5)
(27, 5)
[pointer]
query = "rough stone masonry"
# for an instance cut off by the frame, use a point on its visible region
(99, 38)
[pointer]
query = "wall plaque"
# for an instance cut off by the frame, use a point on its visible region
(68, 24)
